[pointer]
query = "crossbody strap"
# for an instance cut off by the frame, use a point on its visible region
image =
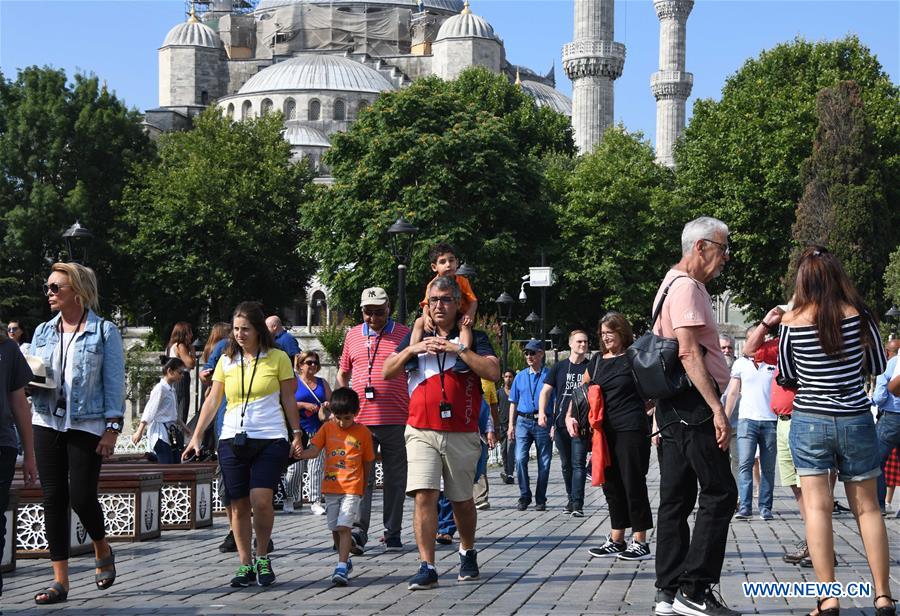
(662, 300)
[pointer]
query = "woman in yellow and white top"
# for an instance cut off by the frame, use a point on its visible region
(257, 380)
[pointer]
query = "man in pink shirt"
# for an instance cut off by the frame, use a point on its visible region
(383, 408)
(695, 433)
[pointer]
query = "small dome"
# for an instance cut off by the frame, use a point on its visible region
(317, 72)
(194, 34)
(545, 96)
(299, 135)
(466, 25)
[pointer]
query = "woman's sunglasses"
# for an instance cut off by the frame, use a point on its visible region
(311, 362)
(53, 288)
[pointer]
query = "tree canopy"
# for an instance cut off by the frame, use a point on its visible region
(461, 160)
(214, 220)
(740, 158)
(66, 150)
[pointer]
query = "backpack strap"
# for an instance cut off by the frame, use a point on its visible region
(662, 300)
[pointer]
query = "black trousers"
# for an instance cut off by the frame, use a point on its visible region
(183, 395)
(626, 480)
(69, 468)
(7, 470)
(688, 457)
(507, 453)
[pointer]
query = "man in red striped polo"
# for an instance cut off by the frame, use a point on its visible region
(384, 407)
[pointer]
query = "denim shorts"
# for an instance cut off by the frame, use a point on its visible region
(849, 444)
(259, 465)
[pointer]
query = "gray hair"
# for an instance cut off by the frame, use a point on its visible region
(447, 283)
(727, 337)
(702, 228)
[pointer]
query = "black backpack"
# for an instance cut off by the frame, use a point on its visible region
(581, 408)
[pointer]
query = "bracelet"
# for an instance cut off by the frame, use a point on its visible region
(297, 431)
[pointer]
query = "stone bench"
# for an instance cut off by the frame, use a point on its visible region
(186, 496)
(8, 561)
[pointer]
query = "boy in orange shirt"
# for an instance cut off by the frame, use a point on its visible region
(444, 262)
(348, 456)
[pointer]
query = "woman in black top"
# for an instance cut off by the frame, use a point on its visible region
(626, 429)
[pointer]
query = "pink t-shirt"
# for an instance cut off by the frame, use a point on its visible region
(688, 305)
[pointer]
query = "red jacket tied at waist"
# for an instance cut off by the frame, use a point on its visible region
(600, 457)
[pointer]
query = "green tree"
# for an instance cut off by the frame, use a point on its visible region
(740, 157)
(892, 279)
(843, 205)
(462, 161)
(615, 232)
(66, 150)
(214, 221)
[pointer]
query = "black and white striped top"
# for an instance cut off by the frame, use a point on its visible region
(830, 384)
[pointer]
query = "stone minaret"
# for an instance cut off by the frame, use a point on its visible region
(671, 85)
(592, 61)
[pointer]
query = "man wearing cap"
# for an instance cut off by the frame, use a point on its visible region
(524, 396)
(384, 407)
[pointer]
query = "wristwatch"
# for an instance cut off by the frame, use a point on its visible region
(462, 348)
(114, 425)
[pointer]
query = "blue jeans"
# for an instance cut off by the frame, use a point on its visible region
(750, 434)
(572, 455)
(527, 432)
(446, 523)
(888, 431)
(848, 443)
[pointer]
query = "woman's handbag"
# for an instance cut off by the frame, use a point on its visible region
(658, 372)
(176, 437)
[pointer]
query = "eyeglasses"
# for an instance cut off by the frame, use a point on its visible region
(374, 312)
(441, 299)
(530, 353)
(53, 288)
(311, 362)
(607, 334)
(11, 330)
(726, 249)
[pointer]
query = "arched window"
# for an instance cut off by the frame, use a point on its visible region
(290, 109)
(246, 110)
(229, 113)
(363, 105)
(315, 110)
(265, 107)
(340, 110)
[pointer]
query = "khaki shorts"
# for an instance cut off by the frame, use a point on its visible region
(342, 510)
(432, 455)
(787, 472)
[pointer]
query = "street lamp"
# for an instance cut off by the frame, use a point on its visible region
(401, 233)
(533, 320)
(466, 270)
(504, 311)
(77, 237)
(555, 338)
(891, 316)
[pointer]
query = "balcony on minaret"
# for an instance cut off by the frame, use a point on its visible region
(671, 84)
(588, 58)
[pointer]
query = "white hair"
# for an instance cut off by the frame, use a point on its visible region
(703, 228)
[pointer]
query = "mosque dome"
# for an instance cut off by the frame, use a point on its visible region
(192, 33)
(299, 135)
(546, 96)
(466, 25)
(317, 72)
(447, 6)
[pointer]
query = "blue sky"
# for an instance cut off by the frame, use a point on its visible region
(118, 40)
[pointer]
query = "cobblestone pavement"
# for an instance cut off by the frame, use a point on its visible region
(531, 563)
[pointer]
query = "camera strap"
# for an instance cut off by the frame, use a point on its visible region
(64, 348)
(246, 394)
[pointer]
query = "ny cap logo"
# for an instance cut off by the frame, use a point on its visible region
(372, 293)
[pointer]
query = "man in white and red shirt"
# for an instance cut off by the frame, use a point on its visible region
(442, 440)
(384, 405)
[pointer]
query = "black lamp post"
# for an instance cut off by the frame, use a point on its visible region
(197, 346)
(533, 320)
(401, 233)
(466, 270)
(891, 316)
(555, 339)
(77, 237)
(504, 311)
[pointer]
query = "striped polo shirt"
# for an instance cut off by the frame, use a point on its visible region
(391, 404)
(830, 384)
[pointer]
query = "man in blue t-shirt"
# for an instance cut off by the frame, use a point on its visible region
(524, 427)
(283, 338)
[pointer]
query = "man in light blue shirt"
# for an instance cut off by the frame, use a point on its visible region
(524, 396)
(888, 428)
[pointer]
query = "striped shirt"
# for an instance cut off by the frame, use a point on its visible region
(830, 384)
(363, 356)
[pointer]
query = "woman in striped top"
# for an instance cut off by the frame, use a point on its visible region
(827, 341)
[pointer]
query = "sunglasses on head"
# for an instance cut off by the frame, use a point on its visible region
(53, 288)
(311, 362)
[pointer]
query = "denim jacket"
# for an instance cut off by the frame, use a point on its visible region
(98, 373)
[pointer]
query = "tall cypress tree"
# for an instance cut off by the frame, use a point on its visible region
(843, 206)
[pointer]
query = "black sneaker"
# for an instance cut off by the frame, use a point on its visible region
(523, 505)
(794, 558)
(540, 507)
(245, 576)
(578, 513)
(569, 508)
(636, 551)
(356, 547)
(269, 551)
(710, 603)
(468, 566)
(228, 544)
(610, 548)
(264, 574)
(392, 544)
(509, 480)
(425, 579)
(664, 600)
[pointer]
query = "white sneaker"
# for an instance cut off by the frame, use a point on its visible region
(288, 505)
(317, 509)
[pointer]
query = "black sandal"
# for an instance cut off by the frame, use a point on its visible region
(832, 611)
(886, 610)
(55, 593)
(105, 579)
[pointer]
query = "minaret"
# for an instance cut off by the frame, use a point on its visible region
(671, 85)
(592, 61)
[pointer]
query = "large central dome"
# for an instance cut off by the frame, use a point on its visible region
(449, 6)
(317, 72)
